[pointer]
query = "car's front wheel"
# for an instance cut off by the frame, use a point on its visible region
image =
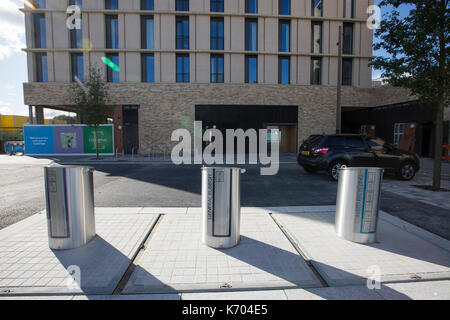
(407, 171)
(333, 169)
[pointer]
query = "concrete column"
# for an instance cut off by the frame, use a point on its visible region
(39, 115)
(30, 115)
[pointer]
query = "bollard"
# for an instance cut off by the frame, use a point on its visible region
(358, 203)
(69, 194)
(221, 207)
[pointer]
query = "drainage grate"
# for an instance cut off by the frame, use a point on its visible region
(300, 252)
(134, 261)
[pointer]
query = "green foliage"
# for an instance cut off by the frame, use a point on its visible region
(418, 48)
(68, 119)
(91, 99)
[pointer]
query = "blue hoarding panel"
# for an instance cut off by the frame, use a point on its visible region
(39, 140)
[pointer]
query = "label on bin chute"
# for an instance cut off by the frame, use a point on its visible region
(57, 207)
(218, 203)
(210, 198)
(366, 205)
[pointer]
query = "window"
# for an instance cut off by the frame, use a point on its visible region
(148, 68)
(182, 33)
(284, 70)
(41, 67)
(363, 129)
(78, 3)
(284, 36)
(182, 68)
(182, 5)
(316, 29)
(217, 5)
(40, 39)
(217, 75)
(77, 66)
(76, 36)
(112, 75)
(147, 5)
(349, 9)
(112, 32)
(251, 6)
(335, 141)
(316, 71)
(147, 32)
(284, 7)
(399, 132)
(355, 142)
(216, 33)
(39, 4)
(348, 38)
(251, 35)
(112, 4)
(347, 72)
(251, 69)
(317, 8)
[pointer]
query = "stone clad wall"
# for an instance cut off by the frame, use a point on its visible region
(166, 107)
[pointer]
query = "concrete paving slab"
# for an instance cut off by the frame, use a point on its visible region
(176, 260)
(169, 296)
(333, 293)
(162, 210)
(262, 210)
(424, 290)
(237, 295)
(28, 266)
(44, 298)
(118, 210)
(399, 255)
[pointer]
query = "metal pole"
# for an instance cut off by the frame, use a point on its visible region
(339, 84)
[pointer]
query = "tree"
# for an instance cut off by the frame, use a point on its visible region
(418, 58)
(66, 118)
(91, 100)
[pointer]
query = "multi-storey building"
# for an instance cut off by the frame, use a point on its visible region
(230, 63)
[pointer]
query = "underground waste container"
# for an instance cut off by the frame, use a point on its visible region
(358, 203)
(221, 206)
(69, 192)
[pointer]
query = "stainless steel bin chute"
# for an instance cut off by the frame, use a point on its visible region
(221, 207)
(69, 192)
(358, 203)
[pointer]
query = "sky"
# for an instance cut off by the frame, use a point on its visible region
(13, 64)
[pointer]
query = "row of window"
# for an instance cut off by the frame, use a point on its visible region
(182, 34)
(183, 71)
(251, 6)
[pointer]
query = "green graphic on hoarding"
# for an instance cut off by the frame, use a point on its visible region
(105, 139)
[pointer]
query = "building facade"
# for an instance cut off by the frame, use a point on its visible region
(229, 63)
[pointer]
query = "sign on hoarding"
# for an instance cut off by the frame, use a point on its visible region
(73, 140)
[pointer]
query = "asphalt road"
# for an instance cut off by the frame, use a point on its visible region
(167, 185)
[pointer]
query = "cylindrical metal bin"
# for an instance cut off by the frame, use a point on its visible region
(221, 207)
(358, 203)
(69, 192)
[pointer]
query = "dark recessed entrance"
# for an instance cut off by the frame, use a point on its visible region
(130, 129)
(222, 117)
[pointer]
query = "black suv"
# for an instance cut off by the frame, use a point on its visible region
(331, 152)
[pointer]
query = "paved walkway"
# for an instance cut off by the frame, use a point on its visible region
(285, 253)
